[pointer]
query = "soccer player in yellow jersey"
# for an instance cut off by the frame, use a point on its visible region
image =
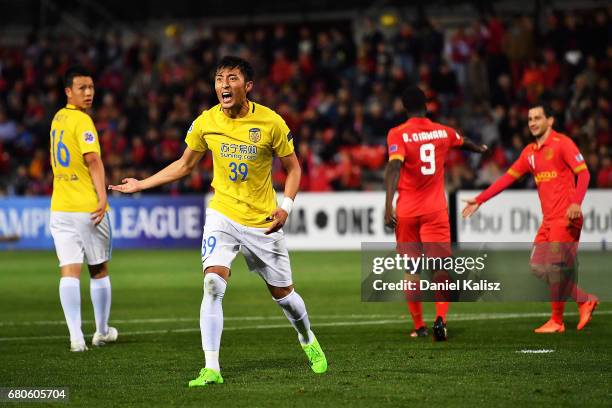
(79, 222)
(243, 137)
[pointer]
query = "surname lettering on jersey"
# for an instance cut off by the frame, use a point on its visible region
(239, 151)
(425, 136)
(59, 117)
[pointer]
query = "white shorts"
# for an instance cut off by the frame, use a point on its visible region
(75, 236)
(265, 255)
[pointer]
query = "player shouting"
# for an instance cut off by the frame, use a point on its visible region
(556, 163)
(243, 137)
(417, 153)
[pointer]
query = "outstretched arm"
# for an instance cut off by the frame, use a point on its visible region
(472, 204)
(96, 170)
(470, 146)
(174, 171)
(292, 184)
(392, 175)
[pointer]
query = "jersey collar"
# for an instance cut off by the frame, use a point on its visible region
(546, 142)
(250, 112)
(419, 121)
(71, 106)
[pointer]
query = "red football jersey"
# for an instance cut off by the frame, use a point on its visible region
(553, 165)
(422, 145)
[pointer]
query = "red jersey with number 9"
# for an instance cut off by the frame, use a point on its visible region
(422, 145)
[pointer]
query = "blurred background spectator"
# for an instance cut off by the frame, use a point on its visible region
(336, 83)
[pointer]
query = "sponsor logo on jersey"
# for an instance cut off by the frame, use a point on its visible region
(255, 135)
(89, 137)
(393, 148)
(190, 127)
(579, 157)
(544, 176)
(238, 151)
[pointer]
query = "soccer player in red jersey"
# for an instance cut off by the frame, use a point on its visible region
(417, 153)
(562, 179)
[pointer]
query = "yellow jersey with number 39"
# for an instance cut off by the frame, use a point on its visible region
(72, 135)
(242, 150)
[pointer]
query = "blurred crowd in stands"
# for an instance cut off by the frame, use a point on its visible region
(337, 87)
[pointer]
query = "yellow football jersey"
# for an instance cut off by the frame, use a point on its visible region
(72, 134)
(242, 150)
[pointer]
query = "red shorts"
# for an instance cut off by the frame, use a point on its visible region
(428, 234)
(556, 242)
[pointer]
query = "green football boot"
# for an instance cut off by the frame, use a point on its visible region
(316, 357)
(207, 376)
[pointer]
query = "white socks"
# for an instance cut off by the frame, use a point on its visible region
(294, 308)
(70, 297)
(100, 290)
(211, 318)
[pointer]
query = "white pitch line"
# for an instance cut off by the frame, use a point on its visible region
(472, 317)
(451, 316)
(539, 351)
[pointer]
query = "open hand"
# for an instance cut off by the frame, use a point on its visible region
(470, 208)
(130, 185)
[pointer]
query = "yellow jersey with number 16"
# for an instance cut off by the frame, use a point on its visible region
(242, 150)
(72, 135)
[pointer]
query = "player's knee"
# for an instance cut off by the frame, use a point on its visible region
(544, 271)
(279, 293)
(214, 284)
(538, 270)
(222, 271)
(98, 271)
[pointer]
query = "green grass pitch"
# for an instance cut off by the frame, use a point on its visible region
(372, 360)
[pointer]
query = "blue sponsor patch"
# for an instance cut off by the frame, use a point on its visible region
(579, 157)
(393, 148)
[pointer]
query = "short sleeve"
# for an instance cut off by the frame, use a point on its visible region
(195, 136)
(571, 155)
(87, 135)
(282, 139)
(395, 146)
(454, 138)
(520, 166)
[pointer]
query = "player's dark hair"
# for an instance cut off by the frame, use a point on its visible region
(414, 101)
(546, 108)
(75, 71)
(229, 61)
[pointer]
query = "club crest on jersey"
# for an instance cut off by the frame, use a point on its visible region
(548, 153)
(89, 137)
(255, 135)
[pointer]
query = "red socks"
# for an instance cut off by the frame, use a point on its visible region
(557, 311)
